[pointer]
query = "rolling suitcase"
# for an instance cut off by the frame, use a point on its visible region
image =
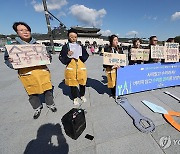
(74, 122)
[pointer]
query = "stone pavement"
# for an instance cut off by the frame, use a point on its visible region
(112, 128)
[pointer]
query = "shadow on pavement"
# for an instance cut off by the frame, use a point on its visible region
(104, 80)
(43, 143)
(98, 86)
(93, 83)
(65, 89)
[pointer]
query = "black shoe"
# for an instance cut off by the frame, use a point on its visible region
(53, 108)
(37, 113)
(112, 96)
(41, 107)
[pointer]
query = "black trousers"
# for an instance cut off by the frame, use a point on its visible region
(113, 91)
(35, 101)
(75, 92)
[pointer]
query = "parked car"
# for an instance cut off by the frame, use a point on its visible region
(57, 46)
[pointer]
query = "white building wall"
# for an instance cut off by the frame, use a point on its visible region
(82, 39)
(91, 40)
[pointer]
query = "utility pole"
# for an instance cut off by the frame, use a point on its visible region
(48, 25)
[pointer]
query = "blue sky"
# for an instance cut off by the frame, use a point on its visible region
(126, 18)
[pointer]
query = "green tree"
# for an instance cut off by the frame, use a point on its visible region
(177, 39)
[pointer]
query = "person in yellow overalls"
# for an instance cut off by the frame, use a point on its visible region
(111, 70)
(36, 80)
(73, 56)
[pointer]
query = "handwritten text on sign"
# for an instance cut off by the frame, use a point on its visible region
(157, 52)
(112, 59)
(171, 52)
(27, 55)
(140, 54)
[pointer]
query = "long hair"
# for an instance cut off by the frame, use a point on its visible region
(134, 41)
(111, 38)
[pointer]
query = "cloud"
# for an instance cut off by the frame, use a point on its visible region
(150, 17)
(60, 14)
(175, 16)
(105, 33)
(87, 16)
(33, 2)
(154, 18)
(131, 33)
(51, 5)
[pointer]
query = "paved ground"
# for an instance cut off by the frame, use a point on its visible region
(110, 125)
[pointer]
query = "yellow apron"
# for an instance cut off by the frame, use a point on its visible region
(75, 73)
(36, 79)
(111, 77)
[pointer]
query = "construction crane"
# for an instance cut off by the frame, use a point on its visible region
(47, 15)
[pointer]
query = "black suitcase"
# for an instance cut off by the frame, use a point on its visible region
(74, 123)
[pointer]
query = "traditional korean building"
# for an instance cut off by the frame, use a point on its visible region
(88, 34)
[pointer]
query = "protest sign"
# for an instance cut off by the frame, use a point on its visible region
(140, 54)
(171, 52)
(147, 77)
(76, 49)
(27, 55)
(157, 52)
(113, 58)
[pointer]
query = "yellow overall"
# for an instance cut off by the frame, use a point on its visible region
(111, 77)
(75, 73)
(35, 79)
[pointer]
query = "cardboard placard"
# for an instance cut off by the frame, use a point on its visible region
(157, 52)
(140, 54)
(113, 58)
(171, 52)
(27, 55)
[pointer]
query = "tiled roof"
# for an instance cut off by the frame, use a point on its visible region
(86, 29)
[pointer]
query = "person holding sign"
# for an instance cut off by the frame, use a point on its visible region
(153, 41)
(111, 70)
(136, 45)
(170, 40)
(36, 79)
(171, 51)
(73, 56)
